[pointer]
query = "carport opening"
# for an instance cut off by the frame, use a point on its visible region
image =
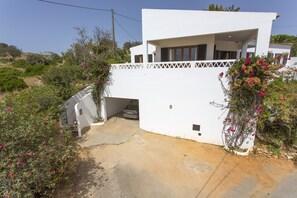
(127, 108)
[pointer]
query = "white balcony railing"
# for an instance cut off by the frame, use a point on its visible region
(175, 65)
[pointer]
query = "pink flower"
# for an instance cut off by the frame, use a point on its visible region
(252, 74)
(221, 74)
(1, 146)
(29, 154)
(251, 81)
(278, 57)
(247, 61)
(105, 68)
(266, 64)
(9, 109)
(9, 175)
(262, 94)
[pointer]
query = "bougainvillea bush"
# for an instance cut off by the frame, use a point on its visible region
(34, 153)
(248, 82)
(100, 79)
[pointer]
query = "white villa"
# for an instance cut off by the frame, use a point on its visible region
(174, 73)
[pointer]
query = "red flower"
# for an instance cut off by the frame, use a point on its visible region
(266, 64)
(221, 74)
(252, 74)
(247, 61)
(261, 61)
(105, 82)
(243, 67)
(1, 146)
(259, 108)
(96, 82)
(105, 68)
(278, 57)
(261, 93)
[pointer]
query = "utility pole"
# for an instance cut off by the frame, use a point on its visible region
(113, 34)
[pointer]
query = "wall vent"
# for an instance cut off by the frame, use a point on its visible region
(196, 127)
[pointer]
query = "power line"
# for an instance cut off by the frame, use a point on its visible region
(75, 6)
(88, 8)
(128, 17)
(125, 30)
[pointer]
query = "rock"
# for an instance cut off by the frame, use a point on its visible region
(289, 157)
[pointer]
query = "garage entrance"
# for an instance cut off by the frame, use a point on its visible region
(122, 107)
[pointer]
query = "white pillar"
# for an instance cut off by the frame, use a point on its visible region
(145, 52)
(244, 50)
(238, 54)
(263, 39)
(210, 48)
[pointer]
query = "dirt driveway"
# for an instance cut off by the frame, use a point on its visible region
(121, 160)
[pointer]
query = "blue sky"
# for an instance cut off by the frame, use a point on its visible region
(35, 26)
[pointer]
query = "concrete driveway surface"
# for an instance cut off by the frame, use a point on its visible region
(120, 160)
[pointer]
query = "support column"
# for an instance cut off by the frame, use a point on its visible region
(263, 39)
(145, 52)
(244, 50)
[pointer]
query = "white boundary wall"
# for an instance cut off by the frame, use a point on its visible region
(189, 90)
(85, 111)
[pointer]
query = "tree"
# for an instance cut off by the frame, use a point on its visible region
(216, 7)
(3, 49)
(127, 45)
(13, 51)
(102, 43)
(284, 38)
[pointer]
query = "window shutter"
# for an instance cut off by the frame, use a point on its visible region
(164, 54)
(201, 52)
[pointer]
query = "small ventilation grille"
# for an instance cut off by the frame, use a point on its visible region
(196, 127)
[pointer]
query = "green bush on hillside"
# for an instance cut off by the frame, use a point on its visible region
(64, 79)
(20, 63)
(35, 70)
(10, 79)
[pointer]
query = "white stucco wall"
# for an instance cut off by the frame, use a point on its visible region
(276, 49)
(115, 105)
(89, 112)
(138, 50)
(168, 24)
(188, 90)
(227, 46)
(71, 102)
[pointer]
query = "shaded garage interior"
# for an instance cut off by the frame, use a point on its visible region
(115, 106)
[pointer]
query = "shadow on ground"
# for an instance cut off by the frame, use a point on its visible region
(86, 175)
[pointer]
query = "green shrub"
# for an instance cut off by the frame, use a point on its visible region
(64, 79)
(43, 100)
(10, 79)
(5, 60)
(35, 70)
(33, 59)
(279, 121)
(34, 153)
(20, 63)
